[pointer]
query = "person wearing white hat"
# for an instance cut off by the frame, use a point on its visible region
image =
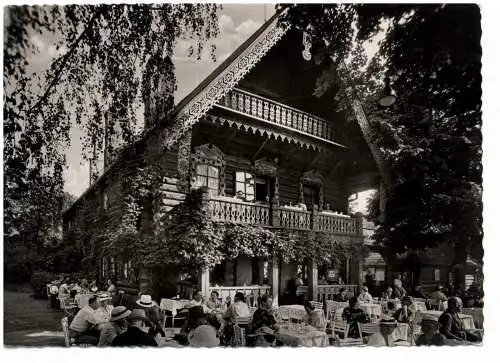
(152, 311)
(117, 325)
(135, 335)
(430, 332)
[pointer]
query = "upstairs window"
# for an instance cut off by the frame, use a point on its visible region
(208, 176)
(264, 189)
(245, 185)
(311, 196)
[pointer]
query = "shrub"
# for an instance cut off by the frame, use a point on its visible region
(39, 281)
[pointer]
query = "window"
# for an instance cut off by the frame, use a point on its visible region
(437, 274)
(245, 184)
(311, 196)
(208, 176)
(264, 189)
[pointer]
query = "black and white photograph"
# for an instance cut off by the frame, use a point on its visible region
(217, 175)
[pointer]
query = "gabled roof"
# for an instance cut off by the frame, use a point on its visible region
(215, 86)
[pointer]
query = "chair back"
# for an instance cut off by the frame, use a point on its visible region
(243, 320)
(477, 316)
(65, 329)
(283, 317)
(317, 305)
(435, 304)
(238, 336)
(339, 326)
(369, 328)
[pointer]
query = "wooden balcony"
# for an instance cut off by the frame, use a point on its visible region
(278, 114)
(228, 209)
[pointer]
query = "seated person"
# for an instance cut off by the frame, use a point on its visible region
(391, 309)
(341, 296)
(116, 325)
(438, 294)
(264, 315)
(264, 337)
(195, 318)
(199, 300)
(64, 289)
(84, 327)
(384, 337)
(134, 336)
(452, 327)
(93, 286)
(404, 314)
(353, 315)
(214, 303)
(152, 311)
(314, 317)
(204, 336)
(387, 294)
(418, 293)
(430, 332)
(238, 309)
(365, 296)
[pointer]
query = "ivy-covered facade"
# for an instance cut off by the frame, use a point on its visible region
(245, 183)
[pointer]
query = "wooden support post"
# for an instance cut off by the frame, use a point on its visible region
(275, 280)
(275, 213)
(359, 239)
(312, 279)
(204, 282)
(260, 149)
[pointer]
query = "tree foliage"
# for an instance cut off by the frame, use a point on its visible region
(431, 137)
(110, 58)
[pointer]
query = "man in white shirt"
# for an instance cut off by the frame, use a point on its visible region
(198, 300)
(84, 327)
(365, 296)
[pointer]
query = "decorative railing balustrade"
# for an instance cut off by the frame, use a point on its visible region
(336, 224)
(279, 114)
(237, 211)
(252, 293)
(328, 292)
(227, 209)
(294, 219)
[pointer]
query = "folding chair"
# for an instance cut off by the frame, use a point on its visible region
(69, 307)
(68, 342)
(238, 339)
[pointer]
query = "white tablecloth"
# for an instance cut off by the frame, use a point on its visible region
(307, 337)
(401, 332)
(173, 305)
(296, 312)
(420, 306)
(466, 319)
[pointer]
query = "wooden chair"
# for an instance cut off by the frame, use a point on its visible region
(68, 342)
(343, 328)
(435, 304)
(243, 320)
(317, 305)
(69, 307)
(477, 316)
(283, 317)
(238, 339)
(163, 311)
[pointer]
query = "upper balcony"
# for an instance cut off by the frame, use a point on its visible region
(229, 209)
(279, 115)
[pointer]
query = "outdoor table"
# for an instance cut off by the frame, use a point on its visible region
(466, 319)
(401, 332)
(296, 312)
(420, 306)
(302, 337)
(173, 305)
(372, 309)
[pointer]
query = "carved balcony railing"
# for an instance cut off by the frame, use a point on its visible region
(336, 224)
(294, 219)
(237, 211)
(278, 114)
(228, 209)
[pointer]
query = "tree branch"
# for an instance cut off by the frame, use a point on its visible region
(65, 58)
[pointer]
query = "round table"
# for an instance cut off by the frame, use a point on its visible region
(173, 305)
(302, 337)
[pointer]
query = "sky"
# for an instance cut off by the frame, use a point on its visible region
(236, 23)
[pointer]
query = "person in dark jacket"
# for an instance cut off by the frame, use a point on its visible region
(342, 295)
(354, 314)
(152, 310)
(451, 326)
(418, 293)
(135, 336)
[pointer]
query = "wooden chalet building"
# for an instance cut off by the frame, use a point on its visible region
(253, 128)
